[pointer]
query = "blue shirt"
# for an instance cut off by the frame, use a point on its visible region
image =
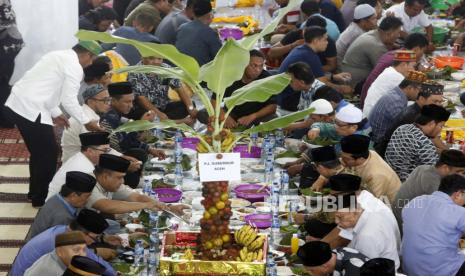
(385, 111)
(72, 211)
(301, 53)
(433, 225)
(45, 243)
(331, 27)
(330, 11)
(340, 105)
(129, 52)
(198, 41)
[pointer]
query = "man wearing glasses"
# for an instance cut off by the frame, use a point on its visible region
(93, 144)
(96, 101)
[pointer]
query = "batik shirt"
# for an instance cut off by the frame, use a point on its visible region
(11, 41)
(153, 87)
(409, 148)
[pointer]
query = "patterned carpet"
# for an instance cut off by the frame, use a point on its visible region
(16, 214)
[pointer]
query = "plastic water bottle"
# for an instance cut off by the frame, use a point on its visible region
(269, 172)
(153, 218)
(178, 174)
(272, 141)
(275, 226)
(275, 193)
(271, 269)
(270, 154)
(152, 262)
(157, 132)
(265, 145)
(138, 253)
(155, 241)
(284, 182)
(254, 138)
(279, 137)
(178, 136)
(147, 187)
(292, 210)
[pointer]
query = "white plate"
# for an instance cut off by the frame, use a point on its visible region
(458, 76)
(284, 271)
(277, 254)
(239, 203)
(158, 161)
(284, 160)
(261, 204)
(169, 178)
(279, 150)
(258, 168)
(133, 226)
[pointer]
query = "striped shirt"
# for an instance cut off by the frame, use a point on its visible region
(383, 114)
(409, 148)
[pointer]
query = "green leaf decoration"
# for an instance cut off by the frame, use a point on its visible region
(164, 72)
(227, 67)
(250, 41)
(141, 125)
(258, 91)
(280, 122)
(188, 64)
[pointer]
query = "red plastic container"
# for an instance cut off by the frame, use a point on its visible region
(454, 62)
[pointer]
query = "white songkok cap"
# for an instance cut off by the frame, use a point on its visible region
(350, 114)
(322, 107)
(363, 11)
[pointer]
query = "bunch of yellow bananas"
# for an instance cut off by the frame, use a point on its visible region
(245, 22)
(248, 3)
(201, 148)
(228, 139)
(248, 237)
(246, 256)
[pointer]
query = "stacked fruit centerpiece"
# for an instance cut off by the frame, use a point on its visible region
(215, 237)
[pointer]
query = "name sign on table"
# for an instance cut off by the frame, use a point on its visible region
(220, 167)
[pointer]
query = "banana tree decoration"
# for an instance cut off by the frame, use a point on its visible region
(226, 68)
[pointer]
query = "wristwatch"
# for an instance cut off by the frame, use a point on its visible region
(190, 107)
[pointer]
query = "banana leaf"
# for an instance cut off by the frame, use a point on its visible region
(188, 64)
(141, 125)
(250, 41)
(288, 153)
(164, 72)
(280, 122)
(258, 91)
(227, 67)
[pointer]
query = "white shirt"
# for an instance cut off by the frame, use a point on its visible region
(376, 234)
(70, 142)
(99, 193)
(55, 79)
(78, 162)
(409, 23)
(389, 79)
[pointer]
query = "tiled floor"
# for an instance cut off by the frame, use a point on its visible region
(14, 171)
(13, 210)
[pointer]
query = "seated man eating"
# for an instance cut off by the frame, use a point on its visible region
(250, 113)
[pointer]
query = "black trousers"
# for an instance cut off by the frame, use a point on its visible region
(7, 62)
(41, 142)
